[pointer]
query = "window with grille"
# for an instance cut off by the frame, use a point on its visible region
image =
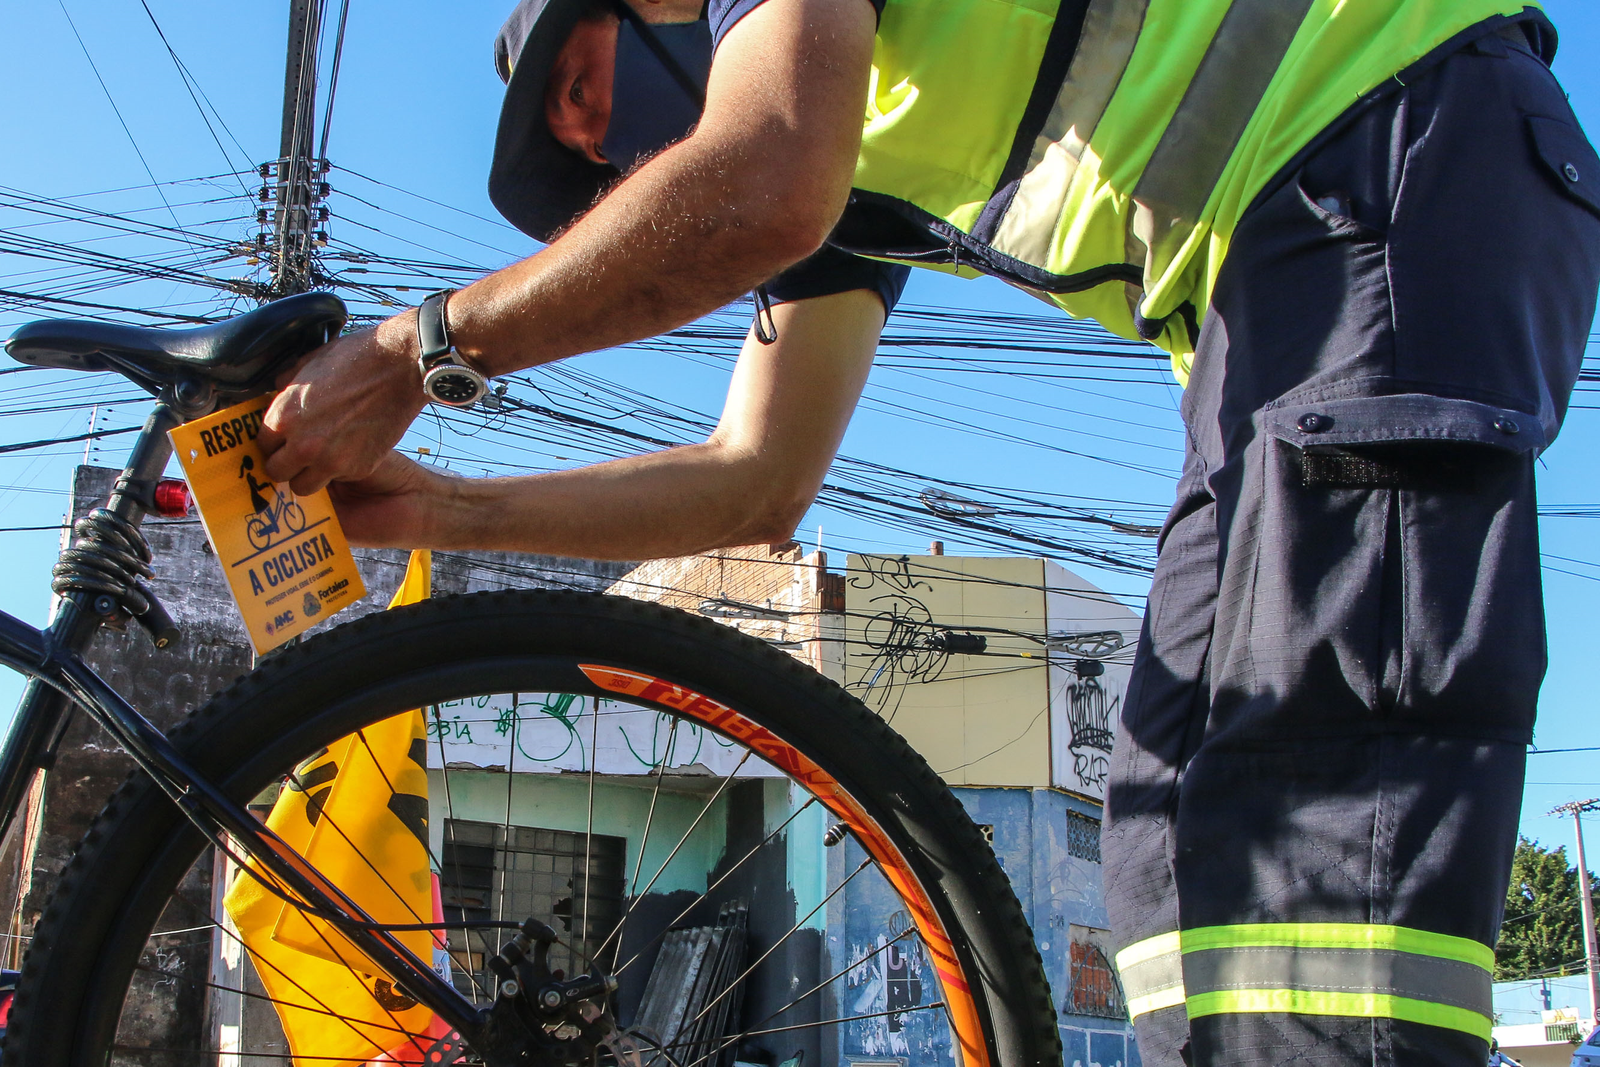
(1083, 837)
(1092, 983)
(533, 872)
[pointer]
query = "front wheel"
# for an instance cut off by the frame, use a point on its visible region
(761, 862)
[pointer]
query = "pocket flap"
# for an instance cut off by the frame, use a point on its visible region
(1371, 420)
(1569, 157)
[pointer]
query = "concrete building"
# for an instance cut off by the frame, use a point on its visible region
(1020, 727)
(1006, 674)
(1539, 1021)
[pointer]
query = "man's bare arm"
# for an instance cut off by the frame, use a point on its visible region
(757, 187)
(749, 483)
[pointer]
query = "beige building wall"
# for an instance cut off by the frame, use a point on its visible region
(978, 718)
(1016, 713)
(1021, 712)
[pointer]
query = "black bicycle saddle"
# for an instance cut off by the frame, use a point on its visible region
(237, 353)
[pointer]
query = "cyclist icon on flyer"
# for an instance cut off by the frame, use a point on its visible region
(270, 517)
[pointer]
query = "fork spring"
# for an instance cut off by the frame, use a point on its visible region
(108, 556)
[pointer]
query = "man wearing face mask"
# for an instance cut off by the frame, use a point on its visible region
(1369, 236)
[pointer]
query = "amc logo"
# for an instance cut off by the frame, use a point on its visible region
(280, 622)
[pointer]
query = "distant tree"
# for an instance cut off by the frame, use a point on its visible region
(1543, 929)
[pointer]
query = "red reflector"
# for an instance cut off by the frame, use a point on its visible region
(172, 498)
(5, 1009)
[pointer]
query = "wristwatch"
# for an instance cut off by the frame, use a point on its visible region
(446, 377)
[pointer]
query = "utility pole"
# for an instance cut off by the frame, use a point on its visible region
(296, 181)
(1576, 808)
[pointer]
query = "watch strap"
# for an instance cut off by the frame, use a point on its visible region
(433, 332)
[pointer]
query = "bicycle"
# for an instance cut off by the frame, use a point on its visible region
(285, 513)
(898, 836)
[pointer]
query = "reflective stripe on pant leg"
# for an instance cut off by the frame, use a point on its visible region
(1345, 969)
(1152, 974)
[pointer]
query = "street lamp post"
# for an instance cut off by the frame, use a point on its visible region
(1591, 953)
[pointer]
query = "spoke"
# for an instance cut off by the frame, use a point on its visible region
(325, 817)
(655, 795)
(736, 1038)
(381, 877)
(588, 832)
(504, 873)
(450, 824)
(649, 819)
(427, 848)
(185, 930)
(310, 995)
(712, 888)
(846, 969)
(340, 957)
(748, 971)
(241, 1055)
(204, 983)
(637, 898)
(831, 1022)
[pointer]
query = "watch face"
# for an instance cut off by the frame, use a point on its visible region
(457, 386)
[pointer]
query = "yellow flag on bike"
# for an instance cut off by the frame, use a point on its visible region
(358, 813)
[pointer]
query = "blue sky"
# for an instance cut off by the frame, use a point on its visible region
(415, 110)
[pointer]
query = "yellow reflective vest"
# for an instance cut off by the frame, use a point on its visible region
(1101, 152)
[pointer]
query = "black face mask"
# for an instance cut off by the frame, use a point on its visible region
(653, 105)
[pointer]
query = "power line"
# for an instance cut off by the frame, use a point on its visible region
(112, 101)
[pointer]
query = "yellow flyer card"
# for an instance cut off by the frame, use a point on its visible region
(286, 558)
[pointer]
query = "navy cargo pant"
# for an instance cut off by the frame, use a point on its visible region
(1318, 774)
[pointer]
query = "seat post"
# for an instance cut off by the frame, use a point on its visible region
(75, 620)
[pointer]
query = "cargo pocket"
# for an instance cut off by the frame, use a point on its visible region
(1569, 158)
(1454, 629)
(1403, 441)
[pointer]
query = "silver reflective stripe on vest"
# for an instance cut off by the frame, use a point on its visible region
(1244, 55)
(1151, 972)
(1110, 32)
(1334, 970)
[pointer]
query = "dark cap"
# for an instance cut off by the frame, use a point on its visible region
(536, 182)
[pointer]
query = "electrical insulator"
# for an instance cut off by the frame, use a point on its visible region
(266, 193)
(323, 189)
(261, 242)
(322, 237)
(265, 170)
(261, 216)
(172, 498)
(322, 214)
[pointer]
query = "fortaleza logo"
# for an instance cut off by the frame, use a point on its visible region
(290, 563)
(337, 587)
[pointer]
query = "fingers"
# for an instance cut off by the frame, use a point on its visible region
(291, 454)
(387, 508)
(347, 405)
(308, 481)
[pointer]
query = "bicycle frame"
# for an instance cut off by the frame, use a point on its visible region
(52, 659)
